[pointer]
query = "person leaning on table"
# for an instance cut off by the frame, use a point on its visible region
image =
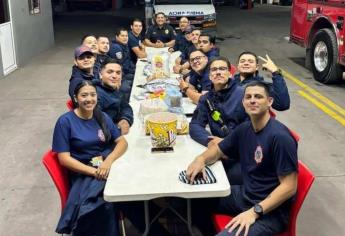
(87, 143)
(268, 156)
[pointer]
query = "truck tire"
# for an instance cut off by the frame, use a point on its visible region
(324, 57)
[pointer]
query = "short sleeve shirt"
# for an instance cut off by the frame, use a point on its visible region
(264, 156)
(164, 34)
(133, 41)
(200, 82)
(84, 139)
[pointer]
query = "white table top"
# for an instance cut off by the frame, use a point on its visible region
(142, 175)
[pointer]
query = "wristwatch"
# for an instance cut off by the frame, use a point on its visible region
(258, 209)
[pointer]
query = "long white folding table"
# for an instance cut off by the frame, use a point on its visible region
(140, 175)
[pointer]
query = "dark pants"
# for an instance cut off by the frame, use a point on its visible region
(202, 209)
(126, 86)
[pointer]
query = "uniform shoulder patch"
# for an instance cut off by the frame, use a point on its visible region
(118, 55)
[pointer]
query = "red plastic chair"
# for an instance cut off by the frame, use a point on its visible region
(58, 174)
(272, 113)
(232, 70)
(305, 180)
(70, 104)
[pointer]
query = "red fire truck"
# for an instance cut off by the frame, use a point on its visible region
(318, 26)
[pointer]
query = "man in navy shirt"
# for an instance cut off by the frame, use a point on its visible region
(248, 67)
(268, 156)
(207, 44)
(182, 36)
(137, 48)
(110, 100)
(161, 34)
(199, 82)
(102, 55)
(119, 50)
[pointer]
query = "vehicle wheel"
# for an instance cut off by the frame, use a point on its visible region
(324, 56)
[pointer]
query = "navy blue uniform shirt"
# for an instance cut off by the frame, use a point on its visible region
(280, 93)
(264, 156)
(114, 104)
(165, 34)
(214, 52)
(181, 43)
(133, 41)
(228, 102)
(200, 82)
(79, 76)
(120, 52)
(84, 139)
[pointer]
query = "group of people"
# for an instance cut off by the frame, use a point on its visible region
(232, 120)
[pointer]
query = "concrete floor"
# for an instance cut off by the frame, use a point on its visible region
(34, 96)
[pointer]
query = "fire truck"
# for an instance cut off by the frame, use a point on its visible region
(318, 26)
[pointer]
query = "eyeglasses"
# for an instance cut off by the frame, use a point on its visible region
(197, 58)
(221, 69)
(204, 41)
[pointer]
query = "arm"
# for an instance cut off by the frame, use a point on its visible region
(149, 43)
(285, 190)
(281, 97)
(193, 94)
(171, 43)
(198, 123)
(140, 52)
(66, 160)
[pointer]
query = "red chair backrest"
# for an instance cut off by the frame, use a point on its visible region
(232, 70)
(272, 113)
(58, 174)
(69, 104)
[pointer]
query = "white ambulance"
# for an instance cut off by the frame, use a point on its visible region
(201, 13)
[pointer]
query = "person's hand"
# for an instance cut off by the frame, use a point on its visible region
(183, 84)
(103, 170)
(185, 71)
(242, 221)
(171, 50)
(160, 44)
(269, 64)
(176, 69)
(142, 46)
(214, 140)
(195, 168)
(124, 126)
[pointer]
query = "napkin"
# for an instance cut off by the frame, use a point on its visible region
(199, 180)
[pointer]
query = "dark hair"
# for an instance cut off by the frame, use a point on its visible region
(219, 58)
(102, 36)
(160, 13)
(263, 84)
(97, 113)
(211, 38)
(118, 31)
(249, 53)
(87, 35)
(136, 20)
(196, 50)
(109, 60)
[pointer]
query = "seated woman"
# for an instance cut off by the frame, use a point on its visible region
(110, 99)
(221, 108)
(248, 67)
(87, 143)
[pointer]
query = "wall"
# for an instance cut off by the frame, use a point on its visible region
(33, 34)
(1, 68)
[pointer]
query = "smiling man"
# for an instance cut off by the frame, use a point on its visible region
(160, 34)
(268, 156)
(135, 43)
(110, 100)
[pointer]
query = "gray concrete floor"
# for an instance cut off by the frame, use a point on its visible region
(34, 96)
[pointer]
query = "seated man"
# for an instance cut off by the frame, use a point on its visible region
(119, 50)
(137, 48)
(248, 67)
(199, 81)
(181, 40)
(221, 108)
(268, 156)
(90, 40)
(102, 55)
(83, 69)
(110, 100)
(207, 44)
(160, 34)
(182, 65)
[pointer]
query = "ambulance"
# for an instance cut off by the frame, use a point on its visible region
(201, 13)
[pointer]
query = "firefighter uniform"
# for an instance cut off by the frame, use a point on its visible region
(165, 33)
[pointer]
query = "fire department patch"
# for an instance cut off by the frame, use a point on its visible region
(118, 55)
(101, 135)
(258, 155)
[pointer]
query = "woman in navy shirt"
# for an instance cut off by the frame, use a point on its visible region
(87, 143)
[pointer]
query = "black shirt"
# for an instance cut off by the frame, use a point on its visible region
(165, 34)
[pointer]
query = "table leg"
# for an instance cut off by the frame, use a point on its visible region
(147, 218)
(189, 217)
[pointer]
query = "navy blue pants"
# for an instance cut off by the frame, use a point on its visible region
(234, 204)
